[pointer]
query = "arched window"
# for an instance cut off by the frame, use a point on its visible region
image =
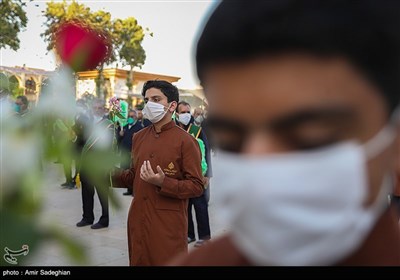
(14, 84)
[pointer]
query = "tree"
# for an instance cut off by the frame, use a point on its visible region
(129, 37)
(126, 35)
(59, 12)
(13, 19)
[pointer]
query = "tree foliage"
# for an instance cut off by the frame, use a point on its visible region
(126, 35)
(12, 20)
(129, 37)
(57, 13)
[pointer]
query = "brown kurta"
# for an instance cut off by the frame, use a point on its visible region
(397, 186)
(157, 219)
(382, 247)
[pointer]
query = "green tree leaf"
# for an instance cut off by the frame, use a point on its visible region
(12, 21)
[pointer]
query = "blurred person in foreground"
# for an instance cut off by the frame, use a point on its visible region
(396, 192)
(165, 172)
(303, 177)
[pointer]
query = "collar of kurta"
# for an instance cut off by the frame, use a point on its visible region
(166, 126)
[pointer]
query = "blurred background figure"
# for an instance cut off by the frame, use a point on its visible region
(185, 120)
(6, 104)
(81, 129)
(101, 138)
(64, 133)
(141, 120)
(303, 177)
(198, 116)
(22, 105)
(125, 138)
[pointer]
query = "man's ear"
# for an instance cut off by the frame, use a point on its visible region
(173, 106)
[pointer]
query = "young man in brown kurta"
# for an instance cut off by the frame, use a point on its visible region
(311, 78)
(165, 172)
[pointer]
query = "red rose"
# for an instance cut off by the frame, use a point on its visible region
(81, 47)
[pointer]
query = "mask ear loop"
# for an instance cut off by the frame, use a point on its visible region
(373, 148)
(383, 138)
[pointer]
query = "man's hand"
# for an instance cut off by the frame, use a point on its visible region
(147, 174)
(206, 181)
(121, 133)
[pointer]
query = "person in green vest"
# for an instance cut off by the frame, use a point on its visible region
(185, 120)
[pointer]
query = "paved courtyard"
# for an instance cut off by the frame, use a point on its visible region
(104, 247)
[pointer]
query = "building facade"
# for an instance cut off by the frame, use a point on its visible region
(25, 80)
(115, 83)
(28, 81)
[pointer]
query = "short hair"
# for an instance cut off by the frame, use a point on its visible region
(168, 89)
(23, 99)
(183, 103)
(365, 32)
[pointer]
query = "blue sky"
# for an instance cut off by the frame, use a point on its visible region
(170, 51)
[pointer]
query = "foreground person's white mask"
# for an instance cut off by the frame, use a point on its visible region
(302, 208)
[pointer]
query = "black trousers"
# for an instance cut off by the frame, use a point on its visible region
(203, 223)
(88, 200)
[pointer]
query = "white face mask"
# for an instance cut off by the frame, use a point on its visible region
(199, 119)
(184, 118)
(154, 112)
(301, 208)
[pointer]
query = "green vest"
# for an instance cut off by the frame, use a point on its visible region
(204, 165)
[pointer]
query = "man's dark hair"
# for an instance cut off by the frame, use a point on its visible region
(23, 99)
(168, 89)
(365, 32)
(183, 103)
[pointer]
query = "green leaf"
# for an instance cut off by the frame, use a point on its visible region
(12, 21)
(74, 249)
(17, 230)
